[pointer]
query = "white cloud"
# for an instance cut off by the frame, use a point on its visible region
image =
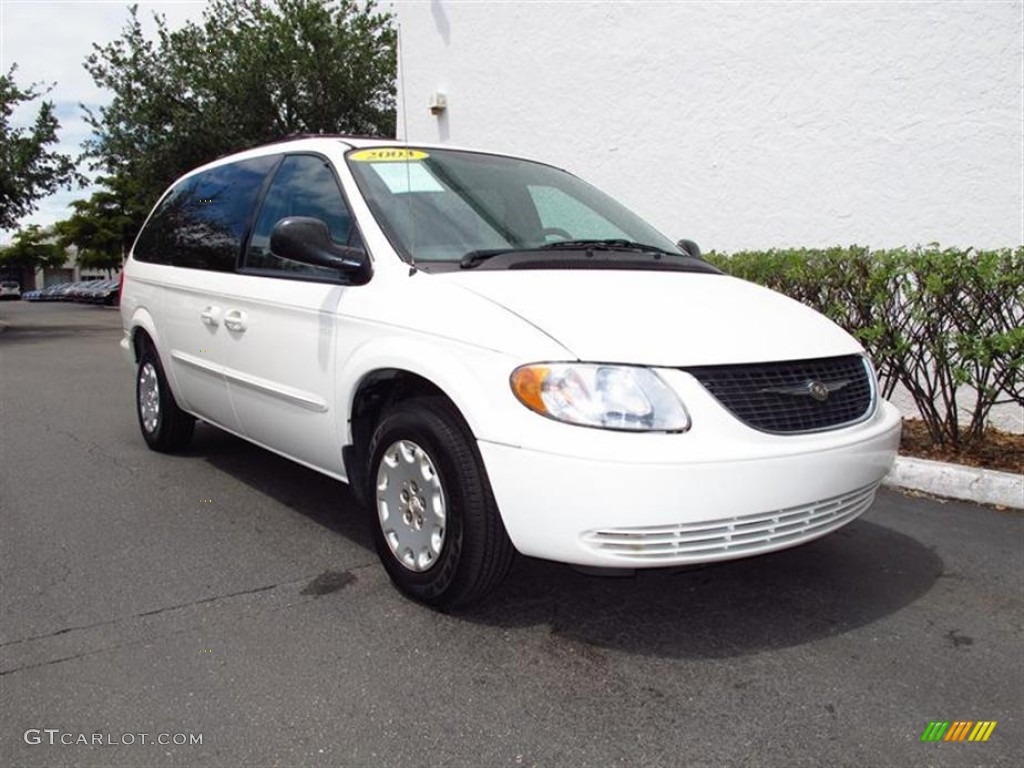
(49, 41)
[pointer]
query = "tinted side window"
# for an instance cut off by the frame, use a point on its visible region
(202, 222)
(302, 186)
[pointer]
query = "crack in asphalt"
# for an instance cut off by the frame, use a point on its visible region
(83, 654)
(164, 609)
(63, 631)
(93, 449)
(253, 591)
(144, 614)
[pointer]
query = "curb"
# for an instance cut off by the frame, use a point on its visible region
(956, 481)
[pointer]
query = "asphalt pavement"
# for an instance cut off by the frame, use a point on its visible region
(231, 595)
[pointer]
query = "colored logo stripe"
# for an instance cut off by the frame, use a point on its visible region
(982, 730)
(958, 730)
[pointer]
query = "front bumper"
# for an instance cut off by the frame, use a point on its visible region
(644, 513)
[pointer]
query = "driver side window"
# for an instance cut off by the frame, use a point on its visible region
(302, 186)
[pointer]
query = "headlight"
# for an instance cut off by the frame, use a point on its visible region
(607, 396)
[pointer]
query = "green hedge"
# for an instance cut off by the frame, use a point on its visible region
(936, 320)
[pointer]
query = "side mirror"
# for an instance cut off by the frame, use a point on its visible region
(691, 248)
(308, 241)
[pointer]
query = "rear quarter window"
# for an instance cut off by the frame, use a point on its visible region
(202, 222)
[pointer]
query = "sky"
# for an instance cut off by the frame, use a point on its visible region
(49, 40)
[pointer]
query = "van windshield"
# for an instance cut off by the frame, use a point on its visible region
(445, 205)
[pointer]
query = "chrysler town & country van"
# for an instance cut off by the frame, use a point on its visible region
(497, 357)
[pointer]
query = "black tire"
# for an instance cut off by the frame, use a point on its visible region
(475, 552)
(166, 428)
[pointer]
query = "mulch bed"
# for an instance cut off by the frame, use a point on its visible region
(1003, 451)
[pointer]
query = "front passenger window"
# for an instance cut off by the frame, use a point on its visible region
(303, 186)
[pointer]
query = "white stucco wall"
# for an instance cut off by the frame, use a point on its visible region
(745, 125)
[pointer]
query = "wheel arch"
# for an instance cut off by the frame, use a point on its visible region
(396, 371)
(142, 327)
(142, 330)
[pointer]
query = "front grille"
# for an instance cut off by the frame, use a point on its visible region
(732, 537)
(778, 397)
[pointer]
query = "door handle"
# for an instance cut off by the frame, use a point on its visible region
(234, 320)
(210, 316)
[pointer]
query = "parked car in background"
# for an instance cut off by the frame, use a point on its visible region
(80, 291)
(63, 292)
(9, 289)
(49, 293)
(100, 291)
(111, 296)
(43, 294)
(497, 357)
(106, 292)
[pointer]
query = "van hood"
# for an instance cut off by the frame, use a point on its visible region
(662, 319)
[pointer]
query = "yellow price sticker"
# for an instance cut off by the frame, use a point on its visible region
(387, 155)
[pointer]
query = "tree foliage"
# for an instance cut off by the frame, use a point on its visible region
(101, 228)
(32, 247)
(249, 73)
(946, 324)
(29, 168)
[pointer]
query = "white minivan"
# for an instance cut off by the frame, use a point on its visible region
(497, 357)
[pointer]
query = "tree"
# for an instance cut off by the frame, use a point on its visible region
(29, 169)
(31, 248)
(248, 74)
(101, 228)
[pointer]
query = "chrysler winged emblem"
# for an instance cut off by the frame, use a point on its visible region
(819, 390)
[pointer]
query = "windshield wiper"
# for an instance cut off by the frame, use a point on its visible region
(610, 244)
(473, 258)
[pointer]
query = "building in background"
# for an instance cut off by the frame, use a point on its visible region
(69, 271)
(743, 125)
(43, 277)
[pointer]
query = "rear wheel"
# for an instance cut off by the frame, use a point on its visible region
(436, 525)
(165, 426)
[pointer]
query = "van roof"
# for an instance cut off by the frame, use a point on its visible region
(313, 140)
(324, 142)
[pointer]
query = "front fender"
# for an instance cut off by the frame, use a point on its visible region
(475, 379)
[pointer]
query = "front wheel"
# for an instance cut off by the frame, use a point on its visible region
(165, 426)
(436, 525)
